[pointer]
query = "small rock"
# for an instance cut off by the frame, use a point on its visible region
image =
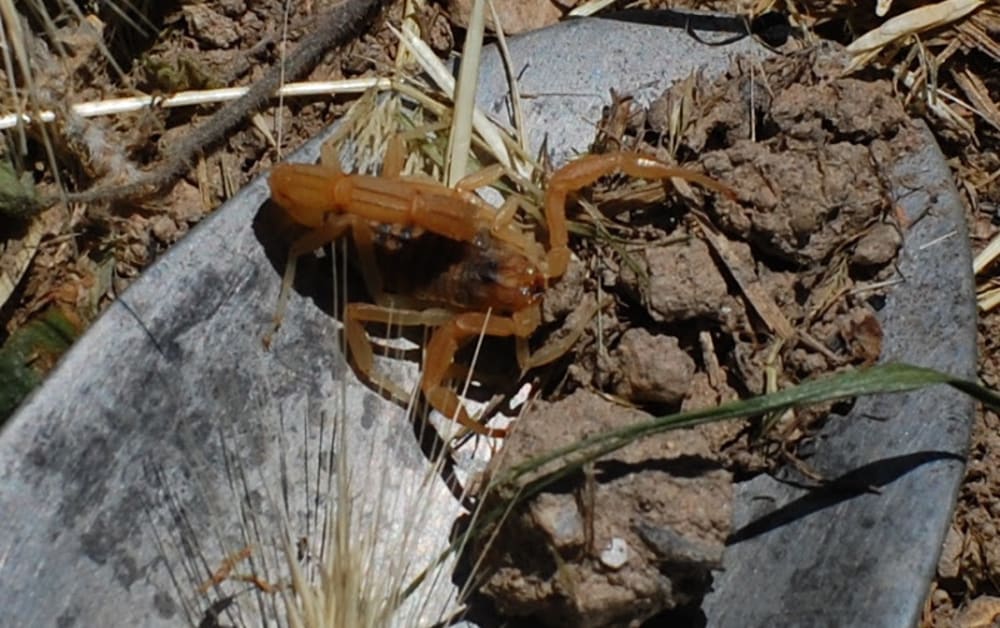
(951, 554)
(559, 517)
(652, 368)
(703, 393)
(436, 29)
(863, 334)
(163, 229)
(565, 296)
(800, 360)
(516, 16)
(877, 247)
(232, 8)
(980, 612)
(678, 549)
(615, 555)
(939, 598)
(210, 27)
(684, 282)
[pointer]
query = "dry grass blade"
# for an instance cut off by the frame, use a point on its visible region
(460, 140)
(590, 7)
(8, 65)
(680, 105)
(975, 33)
(978, 94)
(988, 299)
(921, 19)
(440, 75)
(520, 128)
(16, 38)
(193, 98)
(987, 255)
(105, 52)
(882, 7)
(746, 278)
(16, 263)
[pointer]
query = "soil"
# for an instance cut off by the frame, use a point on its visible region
(640, 533)
(694, 317)
(965, 592)
(689, 312)
(198, 46)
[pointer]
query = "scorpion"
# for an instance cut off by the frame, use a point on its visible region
(483, 274)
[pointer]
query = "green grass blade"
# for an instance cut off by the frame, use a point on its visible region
(889, 378)
(524, 480)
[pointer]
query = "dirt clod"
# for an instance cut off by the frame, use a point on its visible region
(652, 369)
(877, 247)
(641, 535)
(862, 333)
(210, 27)
(704, 307)
(684, 282)
(516, 16)
(981, 612)
(796, 202)
(951, 553)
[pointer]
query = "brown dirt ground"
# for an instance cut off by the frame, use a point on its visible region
(687, 321)
(664, 342)
(199, 46)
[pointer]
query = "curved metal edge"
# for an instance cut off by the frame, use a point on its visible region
(863, 552)
(106, 466)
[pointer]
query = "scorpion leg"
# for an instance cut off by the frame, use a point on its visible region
(488, 176)
(451, 333)
(444, 343)
(329, 155)
(336, 225)
(480, 179)
(360, 346)
(306, 244)
(502, 226)
(364, 243)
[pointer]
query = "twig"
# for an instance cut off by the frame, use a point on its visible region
(112, 106)
(335, 28)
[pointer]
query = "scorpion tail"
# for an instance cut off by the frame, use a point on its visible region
(305, 191)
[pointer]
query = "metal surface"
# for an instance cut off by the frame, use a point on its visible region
(133, 446)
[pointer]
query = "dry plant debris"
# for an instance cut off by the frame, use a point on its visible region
(56, 255)
(515, 16)
(945, 61)
(948, 74)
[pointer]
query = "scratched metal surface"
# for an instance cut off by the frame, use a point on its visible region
(126, 472)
